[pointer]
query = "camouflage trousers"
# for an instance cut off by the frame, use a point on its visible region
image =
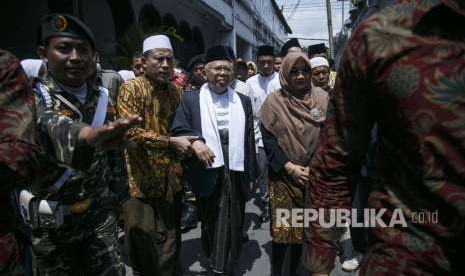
(87, 246)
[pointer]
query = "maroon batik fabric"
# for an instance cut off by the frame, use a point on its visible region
(18, 150)
(17, 116)
(413, 87)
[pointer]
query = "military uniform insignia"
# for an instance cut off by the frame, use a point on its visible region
(67, 113)
(59, 23)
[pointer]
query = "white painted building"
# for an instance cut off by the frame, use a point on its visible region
(242, 24)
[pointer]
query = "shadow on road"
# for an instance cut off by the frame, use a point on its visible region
(192, 256)
(250, 253)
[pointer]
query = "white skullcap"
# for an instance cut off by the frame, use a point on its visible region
(156, 42)
(32, 67)
(318, 61)
(126, 74)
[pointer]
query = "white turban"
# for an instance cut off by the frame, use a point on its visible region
(32, 67)
(156, 42)
(318, 61)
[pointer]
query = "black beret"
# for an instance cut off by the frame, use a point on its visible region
(316, 49)
(265, 50)
(219, 52)
(65, 25)
(293, 42)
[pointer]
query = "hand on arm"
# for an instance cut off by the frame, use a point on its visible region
(203, 152)
(181, 144)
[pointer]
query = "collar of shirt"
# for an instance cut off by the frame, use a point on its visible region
(79, 92)
(220, 100)
(268, 78)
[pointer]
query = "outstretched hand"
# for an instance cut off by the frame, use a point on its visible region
(108, 136)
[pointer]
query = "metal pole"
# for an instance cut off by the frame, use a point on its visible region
(330, 28)
(233, 35)
(342, 25)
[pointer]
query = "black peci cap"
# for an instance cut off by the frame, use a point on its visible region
(219, 52)
(316, 49)
(265, 50)
(293, 42)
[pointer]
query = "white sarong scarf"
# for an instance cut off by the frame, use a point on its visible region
(236, 128)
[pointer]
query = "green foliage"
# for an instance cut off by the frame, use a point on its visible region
(132, 40)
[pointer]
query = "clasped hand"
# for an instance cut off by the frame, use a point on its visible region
(298, 173)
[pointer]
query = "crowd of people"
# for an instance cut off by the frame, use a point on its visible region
(84, 149)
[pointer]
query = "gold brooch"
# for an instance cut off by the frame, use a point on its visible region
(59, 23)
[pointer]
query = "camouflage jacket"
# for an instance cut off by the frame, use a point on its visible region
(96, 172)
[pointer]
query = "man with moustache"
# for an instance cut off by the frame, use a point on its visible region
(152, 214)
(84, 242)
(320, 73)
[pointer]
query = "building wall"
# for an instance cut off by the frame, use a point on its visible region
(18, 26)
(269, 17)
(241, 24)
(98, 16)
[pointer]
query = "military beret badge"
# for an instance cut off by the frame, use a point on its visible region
(59, 23)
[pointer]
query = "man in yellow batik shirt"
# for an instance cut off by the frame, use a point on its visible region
(152, 213)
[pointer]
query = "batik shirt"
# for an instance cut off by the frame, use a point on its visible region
(413, 87)
(96, 171)
(152, 163)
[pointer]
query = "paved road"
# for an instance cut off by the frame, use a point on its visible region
(255, 256)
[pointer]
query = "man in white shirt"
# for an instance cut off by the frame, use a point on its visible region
(262, 84)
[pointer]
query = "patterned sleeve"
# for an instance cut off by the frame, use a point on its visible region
(343, 145)
(130, 102)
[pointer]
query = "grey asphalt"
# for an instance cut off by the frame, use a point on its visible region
(255, 255)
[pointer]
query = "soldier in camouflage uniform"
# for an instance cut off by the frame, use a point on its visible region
(23, 159)
(86, 244)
